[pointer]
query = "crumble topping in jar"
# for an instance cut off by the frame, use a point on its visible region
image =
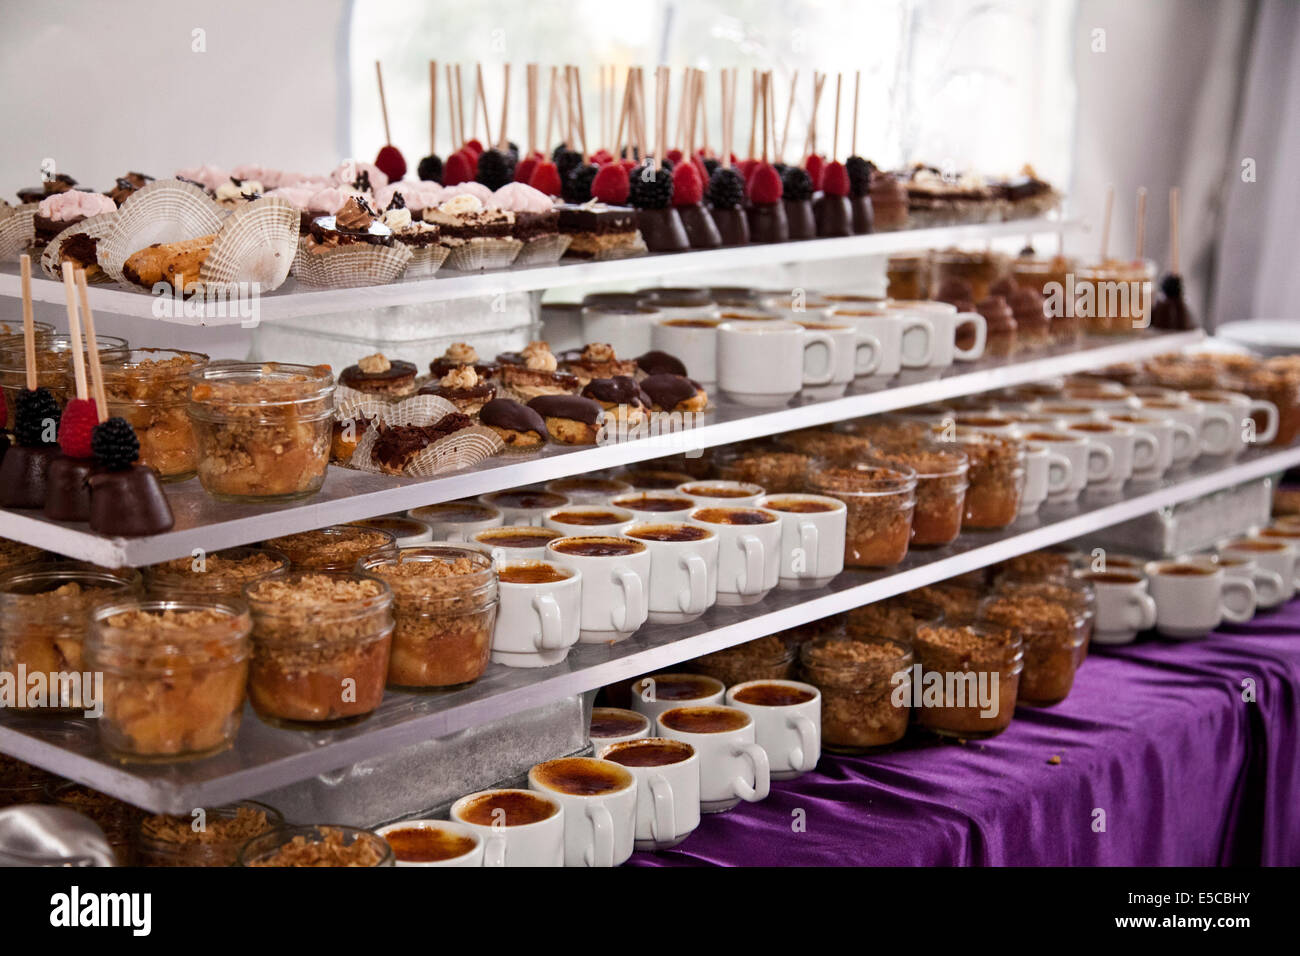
(1052, 634)
(766, 658)
(970, 676)
(117, 819)
(263, 431)
(997, 479)
(856, 680)
(879, 499)
(940, 489)
(151, 390)
(221, 574)
(444, 604)
(320, 647)
(838, 447)
(317, 846)
(174, 676)
(211, 840)
(335, 548)
(14, 554)
(778, 472)
(1036, 565)
(895, 618)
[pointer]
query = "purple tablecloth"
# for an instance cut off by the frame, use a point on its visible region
(1162, 762)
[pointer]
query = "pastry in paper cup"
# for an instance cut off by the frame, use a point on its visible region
(256, 244)
(425, 260)
(349, 266)
(482, 254)
(79, 244)
(544, 250)
(167, 213)
(17, 230)
(452, 441)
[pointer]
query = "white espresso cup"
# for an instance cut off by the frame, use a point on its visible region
(434, 843)
(457, 520)
(653, 694)
(520, 542)
(857, 355)
(1194, 597)
(539, 613)
(656, 505)
(892, 330)
(721, 494)
(683, 569)
(1243, 408)
(1088, 460)
(733, 767)
(749, 550)
(1176, 442)
(812, 538)
(588, 520)
(518, 827)
(769, 363)
(946, 320)
(1122, 606)
(626, 327)
(1269, 587)
(1215, 426)
(694, 341)
(613, 725)
(521, 506)
(599, 800)
(1130, 449)
(589, 489)
(787, 719)
(667, 776)
(1271, 554)
(615, 582)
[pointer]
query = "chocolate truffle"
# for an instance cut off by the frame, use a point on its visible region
(128, 502)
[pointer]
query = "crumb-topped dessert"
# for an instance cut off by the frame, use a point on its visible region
(221, 574)
(335, 548)
(322, 846)
(538, 374)
(1054, 635)
(954, 654)
(380, 376)
(151, 390)
(767, 658)
(320, 647)
(212, 839)
(444, 604)
(464, 388)
(458, 354)
(856, 680)
(598, 360)
(880, 500)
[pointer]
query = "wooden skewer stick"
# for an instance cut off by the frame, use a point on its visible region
(704, 109)
(753, 109)
(789, 112)
(810, 141)
(383, 104)
(771, 109)
(1173, 230)
(460, 108)
(582, 116)
(763, 94)
(505, 108)
(433, 107)
(481, 93)
(1141, 223)
(550, 114)
(1105, 221)
(622, 116)
(853, 140)
(29, 324)
(74, 330)
(92, 346)
(835, 137)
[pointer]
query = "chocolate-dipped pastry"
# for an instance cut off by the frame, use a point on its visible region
(23, 475)
(518, 425)
(570, 419)
(67, 494)
(797, 196)
(860, 171)
(701, 230)
(462, 353)
(620, 396)
(598, 360)
(662, 230)
(675, 393)
(378, 375)
(655, 362)
(726, 194)
(126, 498)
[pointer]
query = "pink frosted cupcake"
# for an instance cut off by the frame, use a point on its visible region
(61, 210)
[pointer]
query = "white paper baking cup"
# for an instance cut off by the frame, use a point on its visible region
(479, 255)
(162, 212)
(97, 227)
(351, 266)
(544, 250)
(256, 243)
(17, 230)
(463, 449)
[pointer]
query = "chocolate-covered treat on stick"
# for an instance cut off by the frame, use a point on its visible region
(651, 186)
(1170, 310)
(25, 469)
(67, 496)
(767, 219)
(832, 209)
(390, 160)
(726, 192)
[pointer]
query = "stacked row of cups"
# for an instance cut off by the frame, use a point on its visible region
(1191, 595)
(589, 560)
(690, 747)
(767, 348)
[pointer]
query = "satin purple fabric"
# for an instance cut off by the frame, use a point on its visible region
(1162, 762)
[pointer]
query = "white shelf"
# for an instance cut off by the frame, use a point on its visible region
(293, 301)
(347, 495)
(265, 758)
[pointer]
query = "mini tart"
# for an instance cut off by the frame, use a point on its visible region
(446, 363)
(518, 425)
(570, 419)
(534, 383)
(598, 361)
(675, 393)
(395, 381)
(469, 401)
(621, 397)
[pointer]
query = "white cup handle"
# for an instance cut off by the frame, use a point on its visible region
(811, 340)
(1186, 447)
(634, 601)
(551, 636)
(601, 851)
(981, 336)
(1148, 441)
(494, 850)
(1224, 418)
(696, 596)
(663, 816)
(1106, 455)
(1144, 608)
(757, 757)
(867, 341)
(1059, 466)
(1246, 609)
(804, 757)
(1270, 414)
(752, 581)
(809, 542)
(1268, 586)
(927, 354)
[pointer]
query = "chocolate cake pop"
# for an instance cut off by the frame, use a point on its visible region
(767, 220)
(651, 194)
(796, 196)
(833, 212)
(126, 498)
(25, 468)
(688, 193)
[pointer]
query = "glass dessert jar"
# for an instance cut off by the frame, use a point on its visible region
(53, 366)
(221, 575)
(14, 554)
(976, 270)
(880, 499)
(1075, 593)
(11, 334)
(1037, 565)
(1281, 386)
(940, 488)
(825, 444)
(909, 276)
(970, 675)
(1120, 296)
(174, 676)
(150, 389)
(263, 431)
(777, 471)
(996, 479)
(445, 607)
(317, 846)
(865, 706)
(210, 837)
(45, 615)
(767, 658)
(335, 548)
(895, 618)
(1052, 635)
(321, 642)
